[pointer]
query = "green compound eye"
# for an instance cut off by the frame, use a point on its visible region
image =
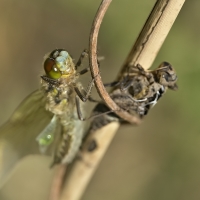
(51, 70)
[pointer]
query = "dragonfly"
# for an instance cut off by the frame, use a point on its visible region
(137, 92)
(47, 120)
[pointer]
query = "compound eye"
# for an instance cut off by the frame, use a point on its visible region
(169, 77)
(51, 70)
(166, 77)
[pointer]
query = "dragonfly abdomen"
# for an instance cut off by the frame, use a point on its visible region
(70, 140)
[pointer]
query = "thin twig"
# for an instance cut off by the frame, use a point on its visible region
(95, 69)
(154, 37)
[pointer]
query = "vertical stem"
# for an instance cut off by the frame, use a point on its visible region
(153, 33)
(143, 52)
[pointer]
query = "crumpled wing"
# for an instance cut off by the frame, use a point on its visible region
(18, 134)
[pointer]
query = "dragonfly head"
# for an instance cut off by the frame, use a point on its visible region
(166, 76)
(58, 63)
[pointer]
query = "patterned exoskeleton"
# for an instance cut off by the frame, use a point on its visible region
(49, 117)
(137, 92)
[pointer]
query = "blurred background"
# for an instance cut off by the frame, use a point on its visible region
(158, 160)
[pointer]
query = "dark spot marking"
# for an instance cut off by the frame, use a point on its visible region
(92, 146)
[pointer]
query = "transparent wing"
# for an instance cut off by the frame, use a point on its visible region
(47, 136)
(18, 135)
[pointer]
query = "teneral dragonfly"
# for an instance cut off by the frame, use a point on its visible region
(137, 92)
(45, 116)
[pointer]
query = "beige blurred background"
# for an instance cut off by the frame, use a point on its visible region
(160, 160)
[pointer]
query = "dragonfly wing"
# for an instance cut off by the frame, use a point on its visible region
(18, 135)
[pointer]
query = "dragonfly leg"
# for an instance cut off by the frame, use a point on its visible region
(83, 55)
(50, 80)
(112, 84)
(126, 83)
(83, 71)
(78, 107)
(80, 115)
(84, 97)
(148, 75)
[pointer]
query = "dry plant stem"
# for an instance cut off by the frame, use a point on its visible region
(95, 69)
(153, 34)
(57, 182)
(84, 168)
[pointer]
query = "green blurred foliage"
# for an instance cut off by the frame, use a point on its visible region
(160, 159)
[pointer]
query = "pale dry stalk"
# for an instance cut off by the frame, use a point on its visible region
(143, 52)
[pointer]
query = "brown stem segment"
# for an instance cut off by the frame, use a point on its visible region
(95, 69)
